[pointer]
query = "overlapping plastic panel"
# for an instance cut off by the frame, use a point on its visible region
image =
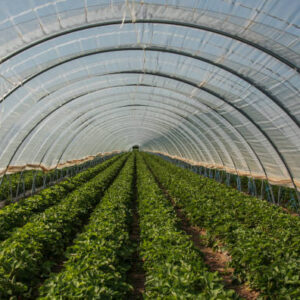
(214, 82)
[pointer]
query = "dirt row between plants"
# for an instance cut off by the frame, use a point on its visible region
(136, 274)
(215, 260)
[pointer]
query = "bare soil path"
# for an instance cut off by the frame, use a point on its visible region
(215, 260)
(136, 274)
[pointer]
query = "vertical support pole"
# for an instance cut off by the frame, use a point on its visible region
(271, 193)
(56, 175)
(279, 195)
(297, 197)
(1, 181)
(44, 180)
(18, 186)
(254, 187)
(238, 182)
(228, 179)
(221, 176)
(218, 176)
(292, 201)
(33, 182)
(250, 191)
(24, 187)
(262, 189)
(268, 192)
(10, 186)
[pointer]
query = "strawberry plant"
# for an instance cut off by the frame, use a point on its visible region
(174, 268)
(18, 214)
(264, 241)
(29, 253)
(98, 260)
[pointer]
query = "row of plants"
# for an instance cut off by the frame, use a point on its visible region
(27, 256)
(98, 261)
(174, 267)
(262, 189)
(263, 240)
(17, 184)
(18, 214)
(22, 181)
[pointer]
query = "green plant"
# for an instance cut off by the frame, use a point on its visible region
(18, 214)
(98, 260)
(264, 241)
(174, 268)
(27, 256)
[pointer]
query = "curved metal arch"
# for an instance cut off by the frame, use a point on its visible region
(121, 130)
(156, 21)
(195, 86)
(165, 104)
(233, 163)
(163, 50)
(223, 164)
(92, 133)
(175, 91)
(222, 98)
(203, 88)
(94, 119)
(159, 146)
(191, 136)
(184, 137)
(74, 98)
(79, 125)
(78, 97)
(75, 139)
(218, 65)
(39, 122)
(169, 136)
(177, 142)
(192, 142)
(190, 121)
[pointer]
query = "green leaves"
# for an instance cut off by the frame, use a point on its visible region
(174, 268)
(18, 214)
(23, 255)
(264, 241)
(98, 261)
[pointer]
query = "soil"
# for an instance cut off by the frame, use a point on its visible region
(136, 274)
(215, 260)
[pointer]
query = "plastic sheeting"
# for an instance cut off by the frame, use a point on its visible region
(214, 82)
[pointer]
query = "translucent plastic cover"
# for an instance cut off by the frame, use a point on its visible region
(214, 82)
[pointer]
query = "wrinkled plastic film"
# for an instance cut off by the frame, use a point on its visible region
(212, 82)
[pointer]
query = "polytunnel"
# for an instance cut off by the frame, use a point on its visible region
(139, 140)
(215, 83)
